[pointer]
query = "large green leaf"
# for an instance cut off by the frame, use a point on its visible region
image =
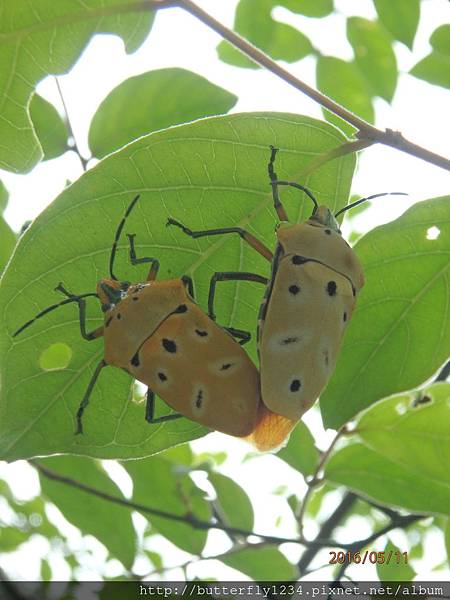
(7, 242)
(373, 55)
(301, 453)
(309, 8)
(261, 564)
(400, 332)
(447, 539)
(434, 68)
(50, 129)
(159, 99)
(376, 477)
(412, 430)
(110, 523)
(159, 484)
(4, 195)
(49, 38)
(255, 23)
(233, 504)
(209, 173)
(344, 83)
(400, 18)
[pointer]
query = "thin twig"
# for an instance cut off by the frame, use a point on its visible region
(315, 479)
(366, 131)
(327, 528)
(187, 518)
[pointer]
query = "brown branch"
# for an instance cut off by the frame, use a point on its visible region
(187, 518)
(327, 528)
(315, 479)
(366, 131)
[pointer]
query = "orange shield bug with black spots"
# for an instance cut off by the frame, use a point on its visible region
(156, 332)
(309, 300)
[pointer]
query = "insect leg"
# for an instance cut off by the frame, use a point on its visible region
(150, 410)
(239, 334)
(137, 261)
(87, 335)
(87, 394)
(245, 235)
(189, 284)
(230, 276)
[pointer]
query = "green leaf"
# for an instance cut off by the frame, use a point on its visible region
(374, 56)
(159, 484)
(440, 39)
(344, 83)
(110, 523)
(374, 476)
(233, 504)
(254, 22)
(412, 430)
(309, 8)
(400, 18)
(11, 538)
(46, 571)
(48, 40)
(394, 568)
(8, 240)
(301, 453)
(4, 195)
(49, 127)
(261, 564)
(211, 172)
(159, 99)
(387, 348)
(447, 539)
(434, 68)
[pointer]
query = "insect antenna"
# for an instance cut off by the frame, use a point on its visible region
(117, 236)
(300, 187)
(361, 200)
(53, 307)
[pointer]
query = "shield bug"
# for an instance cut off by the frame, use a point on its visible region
(156, 332)
(309, 300)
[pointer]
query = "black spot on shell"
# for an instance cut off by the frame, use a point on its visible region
(295, 385)
(328, 231)
(135, 360)
(298, 260)
(108, 321)
(289, 340)
(119, 316)
(181, 309)
(135, 298)
(162, 376)
(199, 399)
(201, 333)
(326, 357)
(169, 345)
(345, 317)
(331, 288)
(294, 289)
(226, 366)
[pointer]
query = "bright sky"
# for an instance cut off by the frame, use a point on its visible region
(420, 111)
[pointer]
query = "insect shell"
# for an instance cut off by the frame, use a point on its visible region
(156, 333)
(309, 300)
(164, 340)
(308, 303)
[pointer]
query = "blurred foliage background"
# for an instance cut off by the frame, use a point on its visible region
(385, 486)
